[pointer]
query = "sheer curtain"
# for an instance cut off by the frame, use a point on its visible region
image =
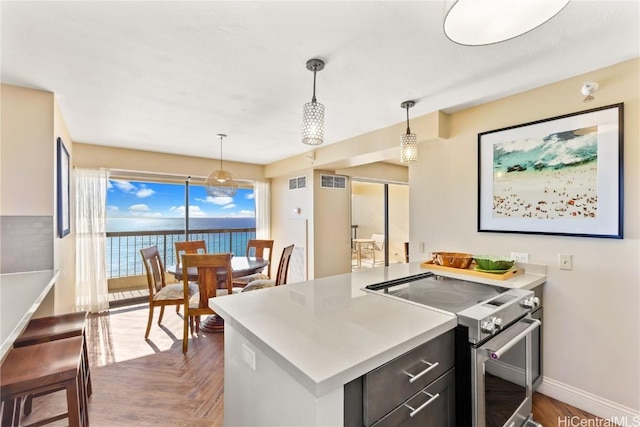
(262, 192)
(90, 220)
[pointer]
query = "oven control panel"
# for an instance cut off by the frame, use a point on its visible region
(495, 314)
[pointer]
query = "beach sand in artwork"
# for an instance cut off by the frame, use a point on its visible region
(570, 192)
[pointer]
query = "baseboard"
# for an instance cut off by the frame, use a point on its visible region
(613, 412)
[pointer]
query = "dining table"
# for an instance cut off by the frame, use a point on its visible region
(240, 266)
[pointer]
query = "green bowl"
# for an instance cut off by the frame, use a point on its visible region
(488, 262)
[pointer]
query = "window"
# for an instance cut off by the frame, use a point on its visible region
(145, 213)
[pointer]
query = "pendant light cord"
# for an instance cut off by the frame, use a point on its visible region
(221, 153)
(408, 130)
(313, 99)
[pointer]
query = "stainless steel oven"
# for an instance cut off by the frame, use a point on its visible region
(502, 377)
(494, 365)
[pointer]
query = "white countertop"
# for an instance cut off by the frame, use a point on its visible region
(20, 296)
(326, 332)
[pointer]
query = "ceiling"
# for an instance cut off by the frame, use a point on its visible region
(168, 76)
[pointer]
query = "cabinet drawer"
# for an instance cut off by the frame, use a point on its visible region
(391, 384)
(439, 412)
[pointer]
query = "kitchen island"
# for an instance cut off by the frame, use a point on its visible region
(20, 297)
(290, 350)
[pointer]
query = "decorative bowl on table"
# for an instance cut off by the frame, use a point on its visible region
(493, 263)
(452, 259)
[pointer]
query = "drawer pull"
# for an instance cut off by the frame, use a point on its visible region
(424, 405)
(431, 366)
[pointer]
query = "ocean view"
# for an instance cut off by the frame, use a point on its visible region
(156, 224)
(123, 252)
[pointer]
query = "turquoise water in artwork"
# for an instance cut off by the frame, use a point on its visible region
(554, 151)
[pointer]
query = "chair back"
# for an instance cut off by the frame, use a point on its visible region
(212, 269)
(190, 247)
(256, 248)
(378, 241)
(283, 266)
(154, 268)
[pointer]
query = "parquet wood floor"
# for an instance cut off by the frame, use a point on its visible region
(151, 383)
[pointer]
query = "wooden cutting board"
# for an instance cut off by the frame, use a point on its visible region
(515, 271)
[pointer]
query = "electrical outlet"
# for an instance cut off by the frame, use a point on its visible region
(564, 262)
(248, 357)
(520, 257)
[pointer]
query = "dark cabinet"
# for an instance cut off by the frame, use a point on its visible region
(419, 382)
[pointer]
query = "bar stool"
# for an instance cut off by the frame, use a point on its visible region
(52, 328)
(41, 368)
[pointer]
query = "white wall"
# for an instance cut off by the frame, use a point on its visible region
(592, 313)
(291, 211)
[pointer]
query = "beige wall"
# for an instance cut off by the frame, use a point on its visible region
(315, 218)
(28, 152)
(31, 124)
(591, 313)
(96, 156)
(65, 248)
(331, 234)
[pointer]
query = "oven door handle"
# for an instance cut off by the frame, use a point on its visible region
(496, 354)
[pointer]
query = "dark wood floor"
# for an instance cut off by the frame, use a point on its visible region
(140, 382)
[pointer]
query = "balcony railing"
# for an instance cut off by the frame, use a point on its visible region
(123, 248)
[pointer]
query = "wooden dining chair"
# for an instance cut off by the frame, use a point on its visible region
(281, 275)
(189, 247)
(161, 294)
(256, 248)
(196, 305)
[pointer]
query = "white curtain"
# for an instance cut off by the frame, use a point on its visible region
(92, 293)
(262, 192)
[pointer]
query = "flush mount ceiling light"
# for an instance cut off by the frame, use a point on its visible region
(313, 112)
(408, 141)
(588, 89)
(482, 22)
(221, 183)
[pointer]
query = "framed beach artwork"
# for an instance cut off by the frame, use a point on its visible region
(559, 176)
(63, 184)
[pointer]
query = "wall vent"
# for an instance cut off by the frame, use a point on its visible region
(333, 181)
(297, 183)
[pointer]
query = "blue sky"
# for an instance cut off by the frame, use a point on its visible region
(131, 199)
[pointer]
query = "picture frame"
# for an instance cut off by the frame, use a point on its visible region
(558, 176)
(63, 187)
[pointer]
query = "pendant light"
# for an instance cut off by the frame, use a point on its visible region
(313, 112)
(408, 141)
(221, 183)
(477, 23)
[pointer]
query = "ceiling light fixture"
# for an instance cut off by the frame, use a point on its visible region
(408, 141)
(221, 183)
(313, 112)
(588, 89)
(476, 23)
